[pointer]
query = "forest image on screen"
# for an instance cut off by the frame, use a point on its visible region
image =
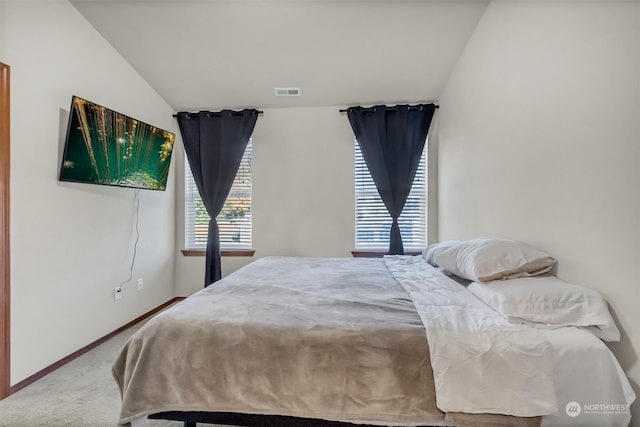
(109, 148)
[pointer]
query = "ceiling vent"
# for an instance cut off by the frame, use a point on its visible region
(287, 91)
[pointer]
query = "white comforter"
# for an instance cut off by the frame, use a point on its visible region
(482, 363)
(505, 368)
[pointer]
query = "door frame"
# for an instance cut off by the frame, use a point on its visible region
(5, 276)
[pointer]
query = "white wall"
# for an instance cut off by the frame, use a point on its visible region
(303, 198)
(73, 243)
(540, 141)
(2, 36)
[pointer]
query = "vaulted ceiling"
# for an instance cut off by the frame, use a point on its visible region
(213, 54)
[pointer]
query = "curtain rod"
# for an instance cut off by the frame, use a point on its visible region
(411, 107)
(217, 112)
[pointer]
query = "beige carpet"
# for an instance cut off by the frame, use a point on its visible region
(80, 394)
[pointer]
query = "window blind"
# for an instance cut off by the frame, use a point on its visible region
(373, 223)
(234, 220)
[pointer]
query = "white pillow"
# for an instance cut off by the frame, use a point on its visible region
(486, 259)
(433, 250)
(551, 301)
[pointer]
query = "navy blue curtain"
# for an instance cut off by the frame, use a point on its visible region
(391, 140)
(214, 144)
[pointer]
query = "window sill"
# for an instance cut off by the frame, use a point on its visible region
(378, 254)
(227, 253)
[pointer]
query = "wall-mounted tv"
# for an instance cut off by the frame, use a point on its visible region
(109, 148)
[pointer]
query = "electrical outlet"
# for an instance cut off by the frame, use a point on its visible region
(117, 293)
(140, 284)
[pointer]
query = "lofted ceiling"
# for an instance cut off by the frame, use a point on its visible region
(214, 54)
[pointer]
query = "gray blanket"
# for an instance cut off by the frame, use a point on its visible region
(328, 338)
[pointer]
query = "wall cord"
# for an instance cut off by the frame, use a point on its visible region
(135, 245)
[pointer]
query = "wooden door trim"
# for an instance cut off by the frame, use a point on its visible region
(5, 276)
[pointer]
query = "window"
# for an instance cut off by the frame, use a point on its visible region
(234, 221)
(373, 223)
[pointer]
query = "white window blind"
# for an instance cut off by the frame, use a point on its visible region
(373, 223)
(234, 221)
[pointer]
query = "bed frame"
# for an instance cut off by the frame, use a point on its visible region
(190, 419)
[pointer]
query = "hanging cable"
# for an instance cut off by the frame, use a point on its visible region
(135, 245)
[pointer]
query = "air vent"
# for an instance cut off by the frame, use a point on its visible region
(287, 91)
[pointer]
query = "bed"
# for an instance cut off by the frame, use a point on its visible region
(338, 341)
